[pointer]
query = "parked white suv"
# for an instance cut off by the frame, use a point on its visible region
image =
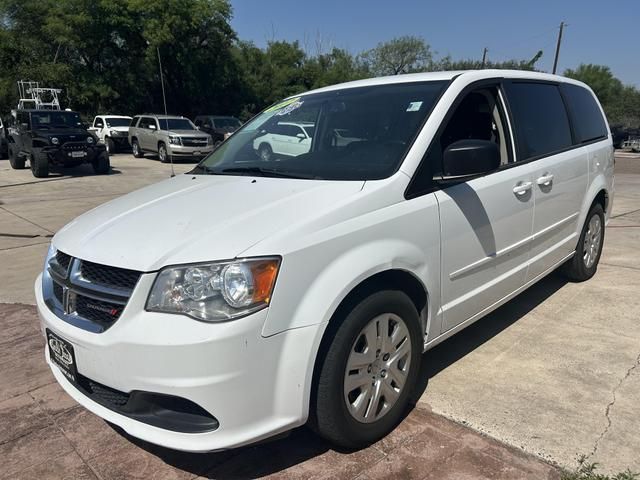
(251, 296)
(112, 130)
(284, 139)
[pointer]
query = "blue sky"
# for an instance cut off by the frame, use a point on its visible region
(599, 32)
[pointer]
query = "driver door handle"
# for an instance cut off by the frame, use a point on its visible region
(522, 188)
(545, 180)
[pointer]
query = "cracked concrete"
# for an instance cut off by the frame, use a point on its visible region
(610, 406)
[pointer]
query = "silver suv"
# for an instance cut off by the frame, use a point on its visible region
(168, 136)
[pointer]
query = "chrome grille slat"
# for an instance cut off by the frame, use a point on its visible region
(87, 294)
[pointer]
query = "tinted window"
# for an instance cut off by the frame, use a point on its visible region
(134, 120)
(540, 119)
(117, 122)
(585, 114)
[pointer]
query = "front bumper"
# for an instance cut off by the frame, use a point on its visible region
(70, 155)
(181, 151)
(255, 387)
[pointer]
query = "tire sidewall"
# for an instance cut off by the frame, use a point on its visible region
(581, 269)
(331, 379)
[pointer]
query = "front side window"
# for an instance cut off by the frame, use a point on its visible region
(587, 119)
(540, 119)
(98, 122)
(227, 122)
(176, 124)
(356, 134)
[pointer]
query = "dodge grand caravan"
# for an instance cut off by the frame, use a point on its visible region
(253, 295)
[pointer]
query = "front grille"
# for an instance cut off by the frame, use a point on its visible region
(58, 292)
(86, 294)
(98, 311)
(109, 276)
(63, 260)
(75, 146)
(194, 142)
(103, 394)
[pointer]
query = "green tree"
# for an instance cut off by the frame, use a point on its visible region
(400, 55)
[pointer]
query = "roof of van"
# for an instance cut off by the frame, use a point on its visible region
(445, 76)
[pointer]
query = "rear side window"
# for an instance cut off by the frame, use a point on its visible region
(540, 119)
(586, 116)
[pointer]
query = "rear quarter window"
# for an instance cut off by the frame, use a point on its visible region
(586, 116)
(540, 119)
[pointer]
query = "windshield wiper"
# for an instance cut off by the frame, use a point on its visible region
(263, 172)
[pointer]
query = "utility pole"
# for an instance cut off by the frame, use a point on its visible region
(484, 56)
(555, 60)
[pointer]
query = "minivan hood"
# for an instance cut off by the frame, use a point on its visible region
(195, 218)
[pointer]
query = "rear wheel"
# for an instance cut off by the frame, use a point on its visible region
(39, 164)
(135, 147)
(163, 154)
(102, 164)
(369, 370)
(584, 263)
(15, 160)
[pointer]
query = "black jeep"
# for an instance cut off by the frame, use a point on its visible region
(53, 137)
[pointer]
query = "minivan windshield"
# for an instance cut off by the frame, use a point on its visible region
(226, 122)
(359, 133)
(176, 124)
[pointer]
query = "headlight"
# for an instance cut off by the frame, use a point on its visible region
(55, 141)
(89, 139)
(113, 133)
(215, 291)
(175, 140)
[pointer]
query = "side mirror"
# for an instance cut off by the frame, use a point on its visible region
(197, 127)
(300, 136)
(152, 127)
(468, 158)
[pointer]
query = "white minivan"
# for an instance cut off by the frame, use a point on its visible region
(253, 295)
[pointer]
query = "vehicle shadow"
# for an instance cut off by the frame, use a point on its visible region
(302, 445)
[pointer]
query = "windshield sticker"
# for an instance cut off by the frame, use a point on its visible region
(414, 106)
(289, 108)
(280, 105)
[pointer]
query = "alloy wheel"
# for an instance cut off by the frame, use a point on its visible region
(592, 240)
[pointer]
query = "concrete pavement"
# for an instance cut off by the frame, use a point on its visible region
(552, 373)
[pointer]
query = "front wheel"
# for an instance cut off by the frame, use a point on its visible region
(163, 154)
(265, 152)
(102, 164)
(111, 146)
(135, 147)
(584, 263)
(39, 164)
(370, 368)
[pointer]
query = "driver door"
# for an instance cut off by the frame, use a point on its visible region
(486, 222)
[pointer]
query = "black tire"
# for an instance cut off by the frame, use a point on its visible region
(577, 268)
(265, 152)
(329, 415)
(135, 148)
(102, 164)
(16, 161)
(39, 164)
(163, 153)
(111, 146)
